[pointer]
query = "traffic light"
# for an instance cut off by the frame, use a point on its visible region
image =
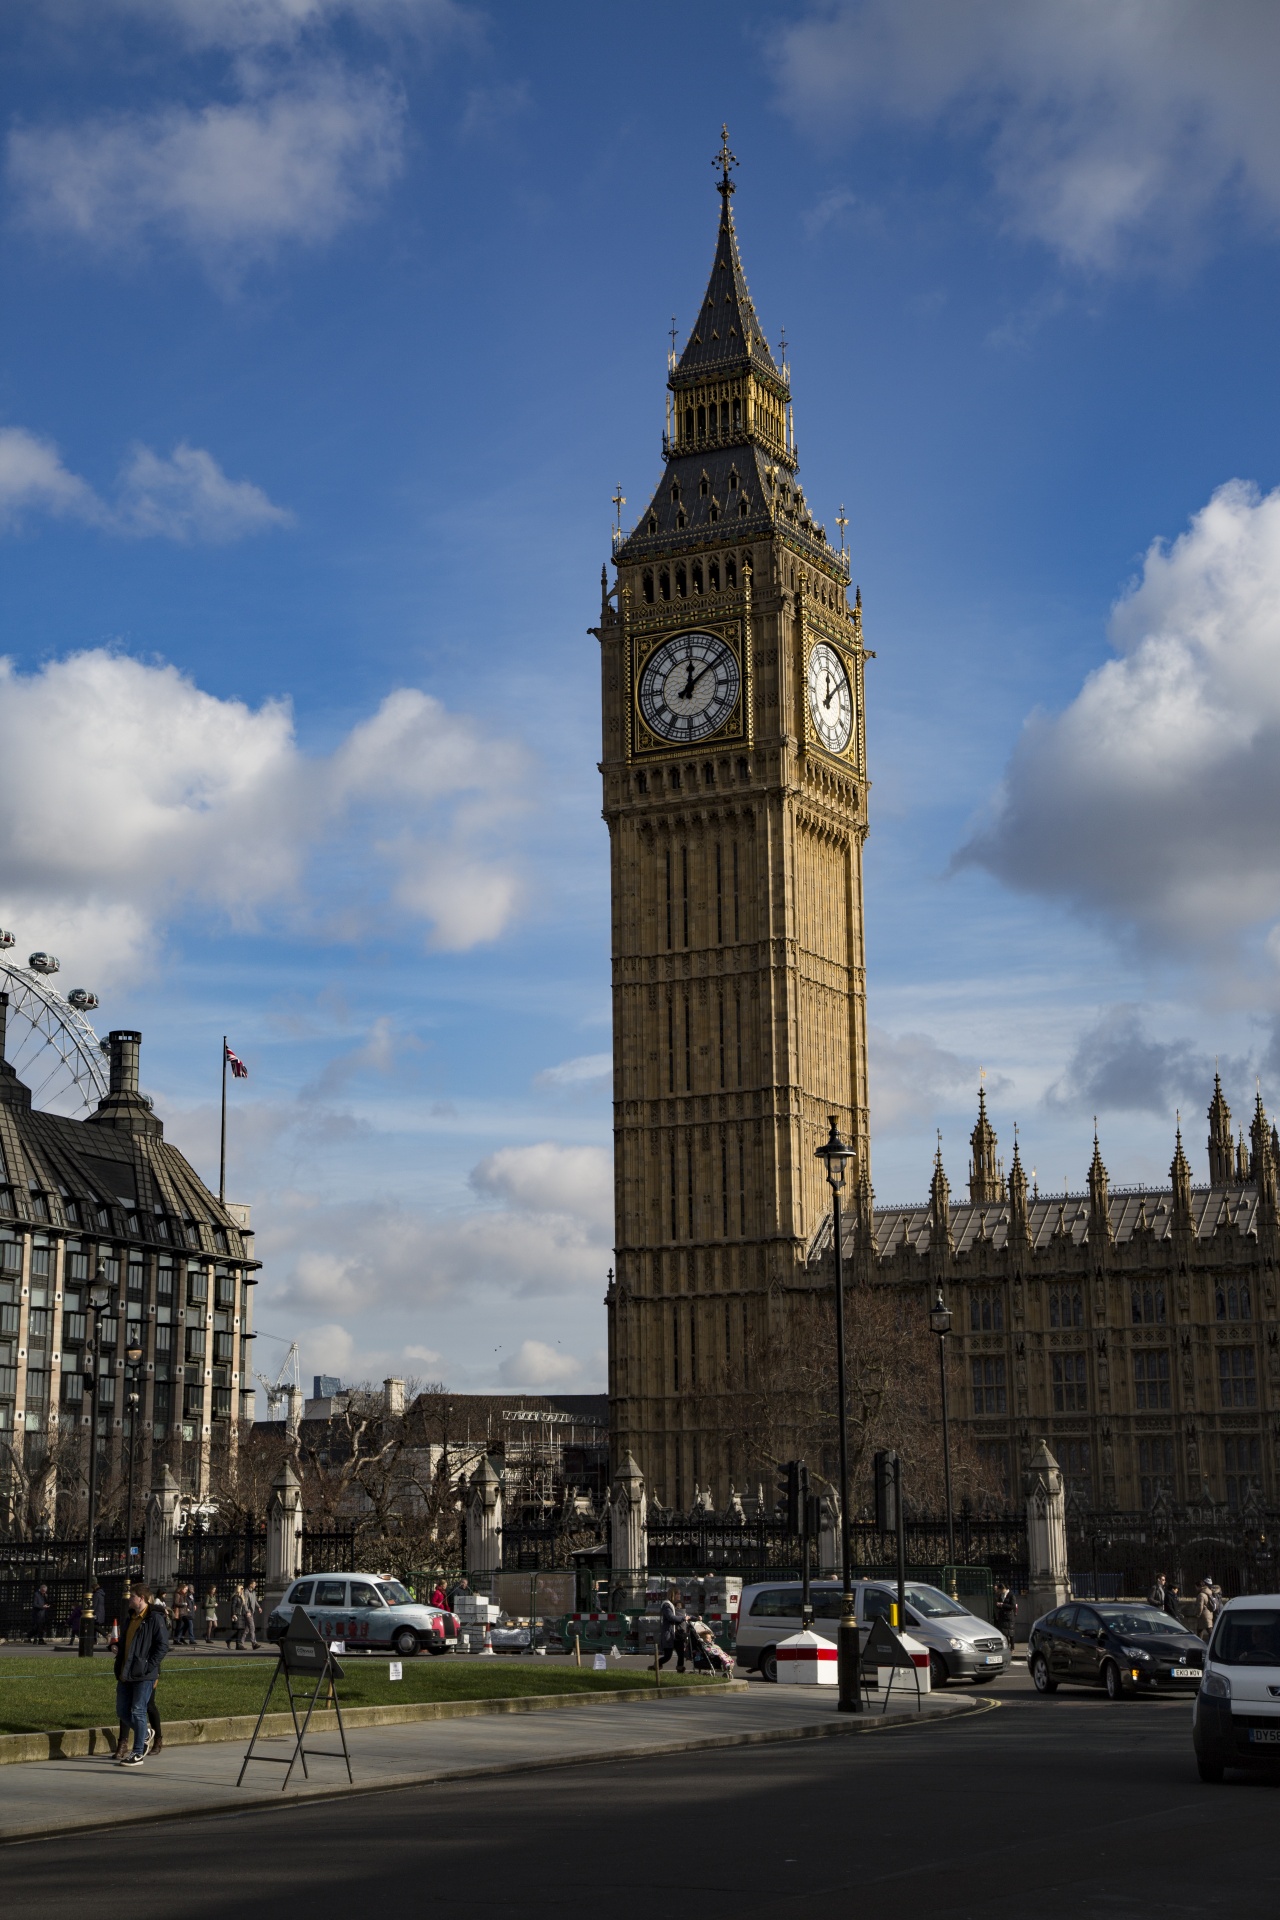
(813, 1508)
(788, 1478)
(886, 1490)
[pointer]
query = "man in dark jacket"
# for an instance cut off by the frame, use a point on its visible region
(671, 1630)
(143, 1645)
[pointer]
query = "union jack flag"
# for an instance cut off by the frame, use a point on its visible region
(238, 1068)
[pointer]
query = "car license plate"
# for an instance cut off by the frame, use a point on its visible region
(993, 1660)
(1186, 1673)
(1265, 1736)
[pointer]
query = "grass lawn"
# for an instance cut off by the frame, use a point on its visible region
(36, 1695)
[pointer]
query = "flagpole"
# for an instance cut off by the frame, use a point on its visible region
(222, 1157)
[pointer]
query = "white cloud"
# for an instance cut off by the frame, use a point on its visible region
(536, 1365)
(912, 1077)
(230, 180)
(588, 1070)
(187, 497)
(239, 25)
(1106, 126)
(576, 1182)
(1117, 1066)
(1152, 800)
(131, 797)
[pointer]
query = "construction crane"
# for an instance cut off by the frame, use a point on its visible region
(287, 1385)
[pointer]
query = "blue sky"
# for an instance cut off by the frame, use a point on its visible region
(331, 326)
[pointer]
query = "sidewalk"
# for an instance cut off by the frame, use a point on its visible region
(54, 1796)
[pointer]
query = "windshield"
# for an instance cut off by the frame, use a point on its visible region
(932, 1604)
(1146, 1620)
(394, 1594)
(1247, 1637)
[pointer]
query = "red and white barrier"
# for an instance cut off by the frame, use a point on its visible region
(806, 1660)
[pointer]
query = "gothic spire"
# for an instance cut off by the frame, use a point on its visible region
(939, 1205)
(1018, 1230)
(1262, 1168)
(1180, 1180)
(1099, 1204)
(1222, 1155)
(727, 336)
(986, 1176)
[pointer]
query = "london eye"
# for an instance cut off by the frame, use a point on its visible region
(49, 1042)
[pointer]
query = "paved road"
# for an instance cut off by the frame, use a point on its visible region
(1069, 1806)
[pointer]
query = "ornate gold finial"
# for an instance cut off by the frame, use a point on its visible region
(842, 521)
(724, 160)
(619, 502)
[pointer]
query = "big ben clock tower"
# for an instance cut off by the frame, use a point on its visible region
(735, 794)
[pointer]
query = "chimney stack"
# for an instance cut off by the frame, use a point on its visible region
(124, 1105)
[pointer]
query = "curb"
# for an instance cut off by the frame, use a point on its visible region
(259, 1802)
(79, 1743)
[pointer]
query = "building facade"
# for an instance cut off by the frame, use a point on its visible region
(1135, 1328)
(110, 1191)
(735, 793)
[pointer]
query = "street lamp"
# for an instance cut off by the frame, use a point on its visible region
(940, 1321)
(99, 1296)
(133, 1355)
(835, 1157)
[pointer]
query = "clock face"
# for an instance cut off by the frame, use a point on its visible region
(830, 698)
(689, 686)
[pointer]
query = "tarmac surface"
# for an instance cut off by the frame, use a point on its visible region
(1065, 1806)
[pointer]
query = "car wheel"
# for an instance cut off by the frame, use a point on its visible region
(406, 1643)
(1112, 1682)
(938, 1673)
(1210, 1771)
(1042, 1678)
(769, 1663)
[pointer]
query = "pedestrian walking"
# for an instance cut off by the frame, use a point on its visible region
(40, 1611)
(1006, 1610)
(437, 1596)
(73, 1626)
(1173, 1601)
(183, 1606)
(235, 1625)
(1204, 1611)
(210, 1615)
(1157, 1595)
(143, 1646)
(99, 1611)
(252, 1613)
(672, 1625)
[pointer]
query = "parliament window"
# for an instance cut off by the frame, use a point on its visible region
(1066, 1307)
(730, 571)
(1237, 1377)
(648, 584)
(713, 567)
(1232, 1300)
(1155, 1468)
(986, 1310)
(1150, 1382)
(990, 1394)
(1242, 1461)
(1147, 1304)
(1069, 1372)
(1077, 1466)
(697, 576)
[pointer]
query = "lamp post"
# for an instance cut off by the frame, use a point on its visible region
(133, 1355)
(99, 1296)
(940, 1321)
(835, 1157)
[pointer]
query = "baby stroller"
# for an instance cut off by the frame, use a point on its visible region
(706, 1656)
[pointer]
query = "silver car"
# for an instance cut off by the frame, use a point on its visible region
(366, 1610)
(961, 1646)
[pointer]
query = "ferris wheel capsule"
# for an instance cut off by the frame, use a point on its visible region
(82, 999)
(43, 962)
(6, 939)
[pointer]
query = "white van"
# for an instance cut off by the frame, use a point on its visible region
(961, 1647)
(1236, 1720)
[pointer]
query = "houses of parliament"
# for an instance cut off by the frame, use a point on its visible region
(1136, 1330)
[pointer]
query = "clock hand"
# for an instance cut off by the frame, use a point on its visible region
(701, 676)
(830, 692)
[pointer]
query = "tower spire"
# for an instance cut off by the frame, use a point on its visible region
(986, 1176)
(1222, 1153)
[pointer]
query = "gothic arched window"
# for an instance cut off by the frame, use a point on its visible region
(664, 584)
(702, 423)
(688, 423)
(737, 413)
(713, 569)
(1146, 1301)
(648, 585)
(697, 576)
(682, 585)
(1066, 1307)
(730, 571)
